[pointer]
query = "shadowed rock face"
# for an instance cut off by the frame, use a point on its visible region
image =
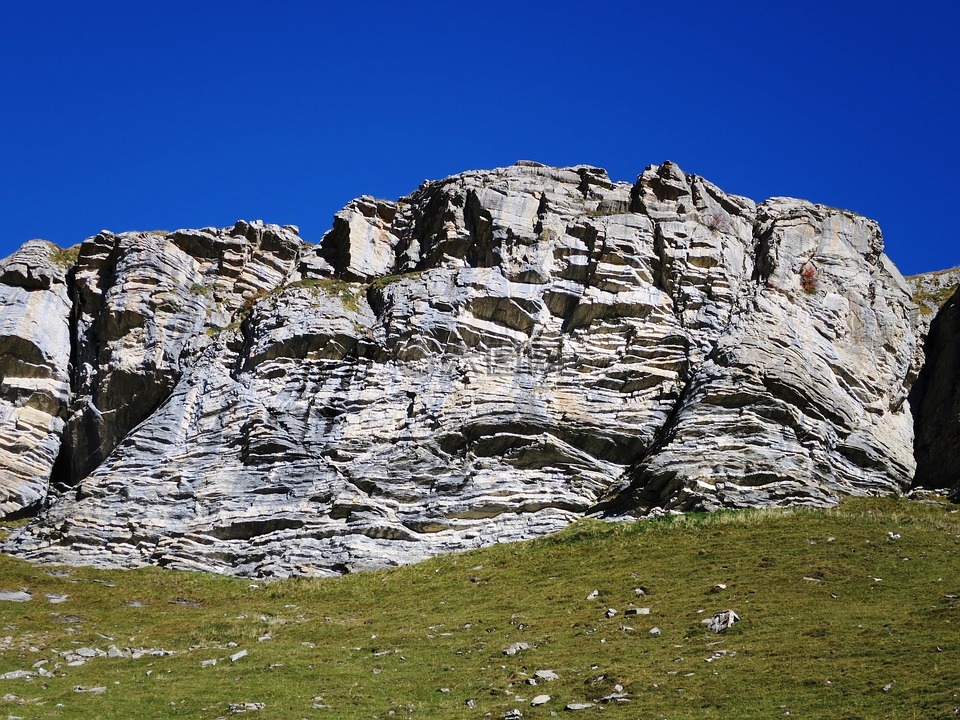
(484, 360)
(936, 403)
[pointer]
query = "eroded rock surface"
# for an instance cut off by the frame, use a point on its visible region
(484, 360)
(34, 371)
(142, 301)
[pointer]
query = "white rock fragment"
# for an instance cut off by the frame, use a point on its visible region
(16, 675)
(237, 708)
(515, 648)
(722, 621)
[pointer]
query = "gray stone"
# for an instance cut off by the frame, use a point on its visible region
(16, 675)
(246, 707)
(540, 700)
(15, 596)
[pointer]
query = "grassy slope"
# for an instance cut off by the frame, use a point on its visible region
(821, 636)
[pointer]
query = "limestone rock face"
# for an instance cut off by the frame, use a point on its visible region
(141, 300)
(34, 371)
(483, 360)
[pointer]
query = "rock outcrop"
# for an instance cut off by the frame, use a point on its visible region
(141, 301)
(483, 360)
(34, 361)
(34, 371)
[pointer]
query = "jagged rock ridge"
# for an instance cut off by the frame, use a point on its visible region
(484, 360)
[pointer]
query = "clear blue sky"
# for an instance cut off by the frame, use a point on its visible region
(142, 115)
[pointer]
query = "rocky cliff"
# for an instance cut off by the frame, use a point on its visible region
(483, 360)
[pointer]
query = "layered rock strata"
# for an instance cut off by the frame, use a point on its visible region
(483, 360)
(34, 365)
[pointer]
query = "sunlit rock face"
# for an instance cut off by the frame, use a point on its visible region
(34, 362)
(484, 360)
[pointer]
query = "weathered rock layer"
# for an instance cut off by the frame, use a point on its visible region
(483, 360)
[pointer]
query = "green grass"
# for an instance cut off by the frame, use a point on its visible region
(349, 294)
(64, 257)
(820, 637)
(930, 302)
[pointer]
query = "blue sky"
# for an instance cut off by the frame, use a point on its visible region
(136, 115)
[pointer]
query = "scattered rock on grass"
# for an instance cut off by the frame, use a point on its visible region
(244, 707)
(540, 700)
(579, 706)
(722, 621)
(515, 648)
(16, 675)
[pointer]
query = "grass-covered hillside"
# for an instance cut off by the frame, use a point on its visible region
(846, 613)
